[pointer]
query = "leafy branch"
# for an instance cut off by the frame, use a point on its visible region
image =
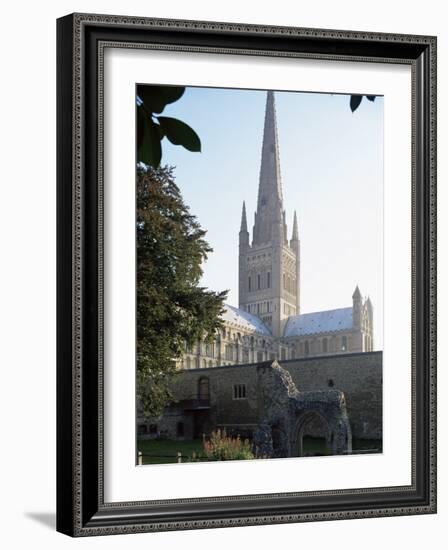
(152, 128)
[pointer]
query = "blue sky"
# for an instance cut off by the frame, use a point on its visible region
(332, 173)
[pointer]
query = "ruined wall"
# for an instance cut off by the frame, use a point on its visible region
(358, 375)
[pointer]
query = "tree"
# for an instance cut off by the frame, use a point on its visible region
(172, 309)
(152, 128)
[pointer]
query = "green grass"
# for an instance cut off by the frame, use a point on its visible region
(315, 446)
(164, 451)
(167, 450)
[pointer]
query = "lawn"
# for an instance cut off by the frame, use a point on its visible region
(164, 451)
(316, 446)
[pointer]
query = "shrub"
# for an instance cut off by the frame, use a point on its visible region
(222, 447)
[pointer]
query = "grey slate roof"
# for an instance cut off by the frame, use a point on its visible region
(319, 321)
(243, 318)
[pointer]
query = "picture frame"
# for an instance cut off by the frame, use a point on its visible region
(81, 506)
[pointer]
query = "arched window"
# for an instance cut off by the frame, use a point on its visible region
(229, 351)
(204, 363)
(197, 363)
(344, 343)
(325, 345)
(204, 388)
(188, 363)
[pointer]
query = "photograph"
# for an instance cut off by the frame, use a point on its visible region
(246, 273)
(259, 274)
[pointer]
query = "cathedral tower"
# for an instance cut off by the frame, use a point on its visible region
(269, 267)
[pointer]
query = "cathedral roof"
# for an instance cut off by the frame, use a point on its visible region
(243, 318)
(319, 321)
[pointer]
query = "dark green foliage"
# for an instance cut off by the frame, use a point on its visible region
(156, 98)
(171, 306)
(151, 128)
(180, 133)
(151, 148)
(355, 101)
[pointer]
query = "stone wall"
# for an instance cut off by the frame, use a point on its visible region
(357, 375)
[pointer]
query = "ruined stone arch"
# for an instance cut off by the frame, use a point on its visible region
(286, 412)
(299, 430)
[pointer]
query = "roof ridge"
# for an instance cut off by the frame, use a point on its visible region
(320, 311)
(318, 322)
(257, 324)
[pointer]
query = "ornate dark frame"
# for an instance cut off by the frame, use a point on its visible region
(81, 39)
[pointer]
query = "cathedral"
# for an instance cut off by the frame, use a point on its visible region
(268, 324)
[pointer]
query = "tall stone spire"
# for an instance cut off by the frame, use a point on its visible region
(295, 247)
(295, 229)
(243, 219)
(269, 215)
(244, 234)
(269, 268)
